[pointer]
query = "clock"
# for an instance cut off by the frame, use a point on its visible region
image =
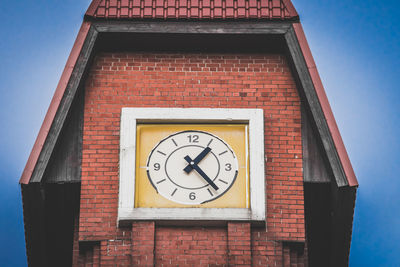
(192, 167)
(191, 164)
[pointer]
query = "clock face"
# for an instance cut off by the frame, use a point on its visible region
(192, 167)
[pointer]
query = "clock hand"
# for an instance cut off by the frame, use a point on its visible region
(200, 171)
(203, 153)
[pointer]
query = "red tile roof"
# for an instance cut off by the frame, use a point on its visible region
(192, 9)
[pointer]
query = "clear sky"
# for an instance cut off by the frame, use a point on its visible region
(355, 45)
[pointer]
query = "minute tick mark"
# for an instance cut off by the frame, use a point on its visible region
(209, 191)
(174, 191)
(162, 153)
(220, 154)
(174, 142)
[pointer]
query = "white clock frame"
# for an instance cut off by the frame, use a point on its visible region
(130, 117)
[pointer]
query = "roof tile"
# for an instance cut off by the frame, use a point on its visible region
(192, 9)
(124, 12)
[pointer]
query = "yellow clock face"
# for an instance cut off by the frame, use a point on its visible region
(192, 166)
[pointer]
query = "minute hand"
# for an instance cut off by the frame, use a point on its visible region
(202, 174)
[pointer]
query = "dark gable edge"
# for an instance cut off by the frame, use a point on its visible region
(54, 104)
(65, 105)
(310, 98)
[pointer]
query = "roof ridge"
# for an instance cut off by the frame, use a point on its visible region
(192, 9)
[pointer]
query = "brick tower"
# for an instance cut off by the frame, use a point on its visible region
(189, 133)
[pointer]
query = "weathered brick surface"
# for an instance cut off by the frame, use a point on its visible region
(191, 246)
(191, 80)
(239, 244)
(143, 243)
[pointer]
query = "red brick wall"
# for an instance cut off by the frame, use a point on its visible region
(191, 80)
(191, 246)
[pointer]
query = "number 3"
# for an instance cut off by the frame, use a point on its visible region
(228, 167)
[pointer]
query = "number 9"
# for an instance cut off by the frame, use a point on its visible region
(157, 166)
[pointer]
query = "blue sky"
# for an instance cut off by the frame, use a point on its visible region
(355, 45)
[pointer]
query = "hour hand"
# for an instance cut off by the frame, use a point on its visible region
(199, 157)
(200, 171)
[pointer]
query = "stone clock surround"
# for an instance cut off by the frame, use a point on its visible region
(129, 119)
